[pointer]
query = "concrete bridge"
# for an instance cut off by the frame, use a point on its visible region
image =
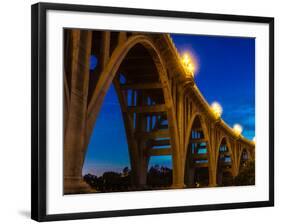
(163, 111)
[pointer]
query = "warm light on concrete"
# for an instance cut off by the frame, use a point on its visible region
(188, 63)
(237, 128)
(191, 68)
(217, 109)
(186, 59)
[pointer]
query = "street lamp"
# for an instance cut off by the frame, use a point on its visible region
(187, 61)
(237, 128)
(217, 109)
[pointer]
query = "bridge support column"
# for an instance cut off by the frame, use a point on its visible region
(105, 48)
(178, 181)
(212, 180)
(212, 157)
(141, 173)
(235, 162)
(142, 160)
(74, 140)
(180, 118)
(212, 175)
(178, 172)
(235, 171)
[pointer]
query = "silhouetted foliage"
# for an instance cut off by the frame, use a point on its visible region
(227, 179)
(159, 176)
(126, 170)
(246, 175)
(110, 181)
(92, 180)
(201, 177)
(113, 181)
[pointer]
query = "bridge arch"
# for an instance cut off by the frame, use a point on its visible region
(189, 128)
(225, 162)
(197, 155)
(109, 72)
(139, 152)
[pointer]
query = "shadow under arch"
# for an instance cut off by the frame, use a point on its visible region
(156, 101)
(244, 158)
(197, 156)
(225, 161)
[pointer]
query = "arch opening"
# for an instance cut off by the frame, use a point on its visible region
(244, 158)
(144, 103)
(246, 174)
(107, 165)
(224, 165)
(144, 112)
(197, 159)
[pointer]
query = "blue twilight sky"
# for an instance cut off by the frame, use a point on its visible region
(225, 72)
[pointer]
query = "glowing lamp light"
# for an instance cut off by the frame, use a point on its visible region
(237, 129)
(254, 139)
(217, 109)
(186, 59)
(191, 68)
(188, 63)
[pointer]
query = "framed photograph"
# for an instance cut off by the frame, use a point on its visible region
(138, 111)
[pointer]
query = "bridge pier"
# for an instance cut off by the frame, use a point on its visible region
(212, 171)
(178, 175)
(75, 125)
(212, 178)
(140, 178)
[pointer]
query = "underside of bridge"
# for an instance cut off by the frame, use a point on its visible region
(150, 83)
(244, 158)
(197, 161)
(144, 110)
(224, 165)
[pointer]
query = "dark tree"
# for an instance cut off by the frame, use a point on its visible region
(111, 181)
(126, 171)
(159, 176)
(92, 180)
(246, 175)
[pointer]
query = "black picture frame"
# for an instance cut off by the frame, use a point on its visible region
(38, 108)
